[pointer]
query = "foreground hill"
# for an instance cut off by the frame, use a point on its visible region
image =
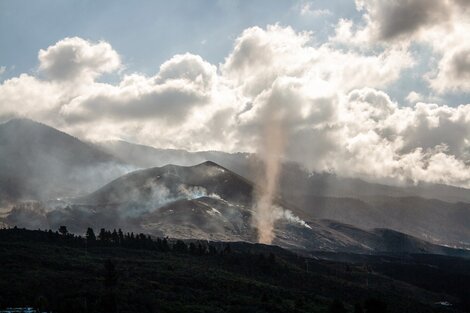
(61, 273)
(40, 162)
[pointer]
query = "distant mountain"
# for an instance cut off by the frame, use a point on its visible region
(40, 162)
(429, 219)
(146, 156)
(295, 182)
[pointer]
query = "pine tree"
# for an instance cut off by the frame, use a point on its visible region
(192, 248)
(102, 236)
(115, 237)
(200, 249)
(180, 246)
(165, 246)
(90, 235)
(121, 236)
(63, 230)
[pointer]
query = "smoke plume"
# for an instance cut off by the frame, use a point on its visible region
(271, 150)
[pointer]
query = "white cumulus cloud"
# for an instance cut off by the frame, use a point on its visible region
(335, 114)
(442, 25)
(77, 59)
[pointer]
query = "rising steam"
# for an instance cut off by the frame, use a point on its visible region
(271, 150)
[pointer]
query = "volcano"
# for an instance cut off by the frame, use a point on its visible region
(210, 202)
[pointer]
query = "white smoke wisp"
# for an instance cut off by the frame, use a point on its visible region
(191, 192)
(289, 216)
(271, 152)
(154, 195)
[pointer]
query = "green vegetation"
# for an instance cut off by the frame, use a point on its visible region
(124, 272)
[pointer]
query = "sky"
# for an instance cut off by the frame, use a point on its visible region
(377, 89)
(150, 32)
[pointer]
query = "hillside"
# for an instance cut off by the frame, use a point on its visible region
(428, 219)
(208, 202)
(431, 212)
(154, 184)
(40, 162)
(65, 274)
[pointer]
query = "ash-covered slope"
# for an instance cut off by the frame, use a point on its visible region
(210, 202)
(432, 212)
(216, 219)
(40, 162)
(171, 182)
(428, 219)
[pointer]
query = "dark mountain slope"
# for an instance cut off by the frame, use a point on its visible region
(210, 202)
(432, 212)
(39, 162)
(167, 182)
(428, 219)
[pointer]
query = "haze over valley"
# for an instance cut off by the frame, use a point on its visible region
(197, 198)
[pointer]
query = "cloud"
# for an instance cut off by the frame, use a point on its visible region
(390, 19)
(414, 97)
(189, 68)
(28, 96)
(76, 59)
(136, 98)
(453, 73)
(335, 115)
(434, 126)
(405, 143)
(307, 9)
(183, 82)
(261, 56)
(441, 25)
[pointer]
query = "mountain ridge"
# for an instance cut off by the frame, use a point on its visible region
(40, 162)
(208, 201)
(208, 187)
(300, 181)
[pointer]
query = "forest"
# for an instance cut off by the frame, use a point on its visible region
(116, 271)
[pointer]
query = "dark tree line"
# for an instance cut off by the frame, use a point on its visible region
(142, 241)
(116, 238)
(126, 240)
